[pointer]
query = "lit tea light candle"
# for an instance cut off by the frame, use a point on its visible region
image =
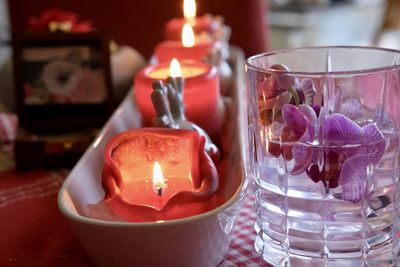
(154, 174)
(173, 28)
(175, 70)
(187, 36)
(158, 179)
(187, 48)
(201, 93)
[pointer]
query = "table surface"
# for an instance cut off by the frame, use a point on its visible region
(34, 233)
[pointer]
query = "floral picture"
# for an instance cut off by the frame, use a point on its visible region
(63, 75)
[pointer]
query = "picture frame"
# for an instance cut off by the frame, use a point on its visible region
(62, 81)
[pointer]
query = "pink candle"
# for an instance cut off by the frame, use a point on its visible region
(148, 186)
(173, 28)
(158, 174)
(201, 94)
(187, 48)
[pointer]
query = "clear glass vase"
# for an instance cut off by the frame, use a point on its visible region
(324, 149)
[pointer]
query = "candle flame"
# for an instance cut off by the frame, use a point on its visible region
(158, 178)
(175, 68)
(189, 9)
(187, 35)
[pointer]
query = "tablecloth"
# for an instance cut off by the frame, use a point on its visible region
(34, 233)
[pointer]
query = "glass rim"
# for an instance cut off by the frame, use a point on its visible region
(250, 65)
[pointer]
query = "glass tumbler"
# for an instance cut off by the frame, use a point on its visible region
(324, 154)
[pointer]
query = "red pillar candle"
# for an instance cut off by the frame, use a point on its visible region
(201, 94)
(173, 28)
(155, 174)
(188, 48)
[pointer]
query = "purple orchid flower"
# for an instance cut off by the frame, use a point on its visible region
(273, 91)
(348, 149)
(295, 126)
(281, 88)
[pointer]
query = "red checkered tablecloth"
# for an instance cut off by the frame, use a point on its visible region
(34, 233)
(241, 250)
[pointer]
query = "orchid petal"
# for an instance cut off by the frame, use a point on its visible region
(268, 88)
(376, 142)
(302, 152)
(284, 80)
(294, 118)
(341, 130)
(310, 115)
(355, 191)
(280, 67)
(308, 88)
(276, 102)
(353, 178)
(296, 125)
(351, 108)
(299, 91)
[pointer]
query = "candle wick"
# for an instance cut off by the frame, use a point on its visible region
(159, 191)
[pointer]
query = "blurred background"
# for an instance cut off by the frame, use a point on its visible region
(5, 43)
(294, 23)
(257, 25)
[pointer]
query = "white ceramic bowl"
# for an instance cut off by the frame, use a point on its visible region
(197, 241)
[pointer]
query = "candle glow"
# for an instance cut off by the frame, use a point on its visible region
(189, 9)
(200, 78)
(187, 36)
(207, 23)
(138, 190)
(158, 178)
(175, 68)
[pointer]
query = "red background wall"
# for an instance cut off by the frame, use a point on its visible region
(140, 23)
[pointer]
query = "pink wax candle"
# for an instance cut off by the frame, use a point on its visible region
(188, 48)
(158, 174)
(173, 28)
(148, 186)
(201, 94)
